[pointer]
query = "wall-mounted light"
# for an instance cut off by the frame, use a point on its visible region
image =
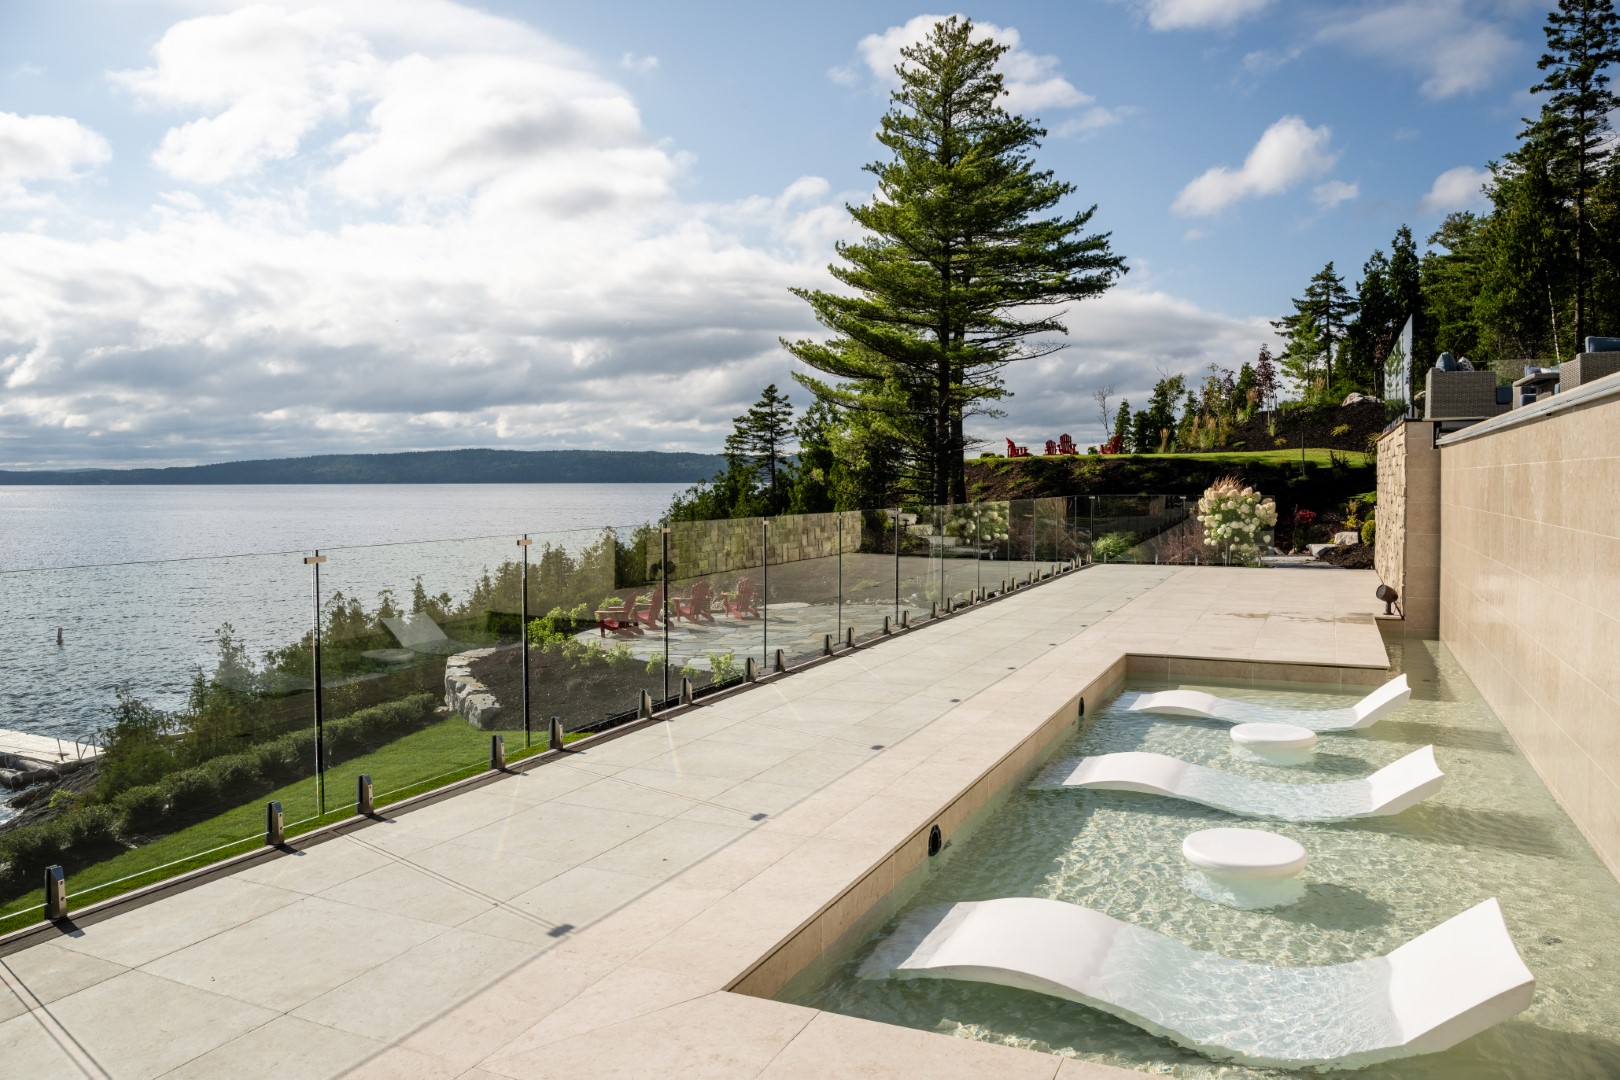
(1388, 596)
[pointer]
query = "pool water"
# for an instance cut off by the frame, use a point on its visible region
(1371, 885)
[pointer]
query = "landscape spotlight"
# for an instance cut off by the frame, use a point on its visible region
(1388, 596)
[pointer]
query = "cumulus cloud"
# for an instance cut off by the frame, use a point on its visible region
(1198, 14)
(1448, 42)
(641, 65)
(44, 148)
(1032, 80)
(1334, 192)
(1288, 152)
(505, 261)
(266, 76)
(1461, 188)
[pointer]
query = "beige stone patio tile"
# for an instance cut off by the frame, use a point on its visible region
(834, 1045)
(138, 1025)
(734, 761)
(666, 849)
(133, 938)
(314, 869)
(882, 819)
(611, 793)
(677, 783)
(737, 862)
(496, 874)
(27, 1049)
(402, 1063)
(291, 955)
(1080, 1069)
(581, 896)
(404, 888)
(560, 832)
(813, 767)
(622, 994)
(285, 1047)
(717, 1037)
(49, 972)
(399, 996)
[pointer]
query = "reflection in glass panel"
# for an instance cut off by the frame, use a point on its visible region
(960, 540)
(920, 563)
(417, 650)
(804, 584)
(596, 627)
(720, 592)
(869, 571)
(149, 734)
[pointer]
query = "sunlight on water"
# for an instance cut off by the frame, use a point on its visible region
(1370, 886)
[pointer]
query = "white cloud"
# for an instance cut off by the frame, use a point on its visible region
(266, 76)
(27, 71)
(641, 65)
(1093, 120)
(1288, 152)
(1445, 41)
(1198, 14)
(44, 148)
(1457, 189)
(1032, 80)
(1334, 192)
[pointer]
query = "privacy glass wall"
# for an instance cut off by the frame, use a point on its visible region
(185, 696)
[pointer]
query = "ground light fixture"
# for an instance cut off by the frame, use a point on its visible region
(1388, 596)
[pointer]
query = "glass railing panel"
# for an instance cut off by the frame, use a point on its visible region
(595, 630)
(920, 563)
(870, 573)
(959, 552)
(417, 650)
(720, 596)
(1053, 543)
(804, 584)
(177, 703)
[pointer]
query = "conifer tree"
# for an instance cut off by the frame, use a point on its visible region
(1314, 332)
(760, 439)
(1583, 40)
(963, 263)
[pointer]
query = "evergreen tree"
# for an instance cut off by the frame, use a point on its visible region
(1451, 274)
(1583, 40)
(1122, 422)
(1265, 378)
(759, 441)
(1246, 384)
(1524, 276)
(1150, 425)
(963, 264)
(1314, 332)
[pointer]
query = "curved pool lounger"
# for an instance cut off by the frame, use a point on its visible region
(1195, 703)
(1388, 791)
(1431, 993)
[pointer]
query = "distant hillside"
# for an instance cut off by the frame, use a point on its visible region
(423, 467)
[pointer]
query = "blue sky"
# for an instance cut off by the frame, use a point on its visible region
(303, 227)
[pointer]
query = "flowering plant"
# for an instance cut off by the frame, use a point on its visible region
(1233, 516)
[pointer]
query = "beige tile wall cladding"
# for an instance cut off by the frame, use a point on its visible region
(1408, 547)
(1530, 598)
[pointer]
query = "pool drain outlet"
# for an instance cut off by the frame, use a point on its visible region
(936, 840)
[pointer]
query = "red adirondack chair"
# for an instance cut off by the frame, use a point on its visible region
(1051, 448)
(623, 622)
(695, 605)
(745, 601)
(654, 610)
(1066, 445)
(1014, 450)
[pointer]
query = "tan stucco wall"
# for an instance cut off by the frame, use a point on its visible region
(1530, 597)
(1407, 553)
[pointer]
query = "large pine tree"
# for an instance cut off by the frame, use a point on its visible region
(1314, 332)
(1583, 40)
(965, 257)
(759, 441)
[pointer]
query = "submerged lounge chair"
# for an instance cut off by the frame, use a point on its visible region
(1388, 791)
(1364, 713)
(1431, 993)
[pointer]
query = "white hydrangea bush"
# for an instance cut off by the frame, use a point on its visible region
(1233, 517)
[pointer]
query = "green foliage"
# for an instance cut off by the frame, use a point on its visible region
(930, 313)
(1369, 530)
(1341, 431)
(1313, 334)
(759, 444)
(1112, 546)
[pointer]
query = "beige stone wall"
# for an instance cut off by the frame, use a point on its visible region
(703, 548)
(1407, 555)
(1530, 590)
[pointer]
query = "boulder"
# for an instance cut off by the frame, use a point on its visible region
(1355, 399)
(1349, 536)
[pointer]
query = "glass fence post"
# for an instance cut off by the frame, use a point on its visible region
(523, 636)
(838, 533)
(765, 587)
(663, 581)
(314, 561)
(897, 565)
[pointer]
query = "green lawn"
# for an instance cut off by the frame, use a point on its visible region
(448, 750)
(1318, 456)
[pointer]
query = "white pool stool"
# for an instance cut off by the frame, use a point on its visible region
(1276, 744)
(1244, 868)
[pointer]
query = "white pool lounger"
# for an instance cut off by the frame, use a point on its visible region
(1199, 705)
(1438, 989)
(1390, 790)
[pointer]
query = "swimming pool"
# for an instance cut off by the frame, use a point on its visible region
(1373, 884)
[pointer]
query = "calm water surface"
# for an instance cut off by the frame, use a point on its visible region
(139, 579)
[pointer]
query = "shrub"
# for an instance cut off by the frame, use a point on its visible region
(1112, 546)
(1368, 529)
(1280, 442)
(1232, 516)
(1341, 431)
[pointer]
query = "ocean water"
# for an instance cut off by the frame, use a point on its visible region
(139, 579)
(1493, 830)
